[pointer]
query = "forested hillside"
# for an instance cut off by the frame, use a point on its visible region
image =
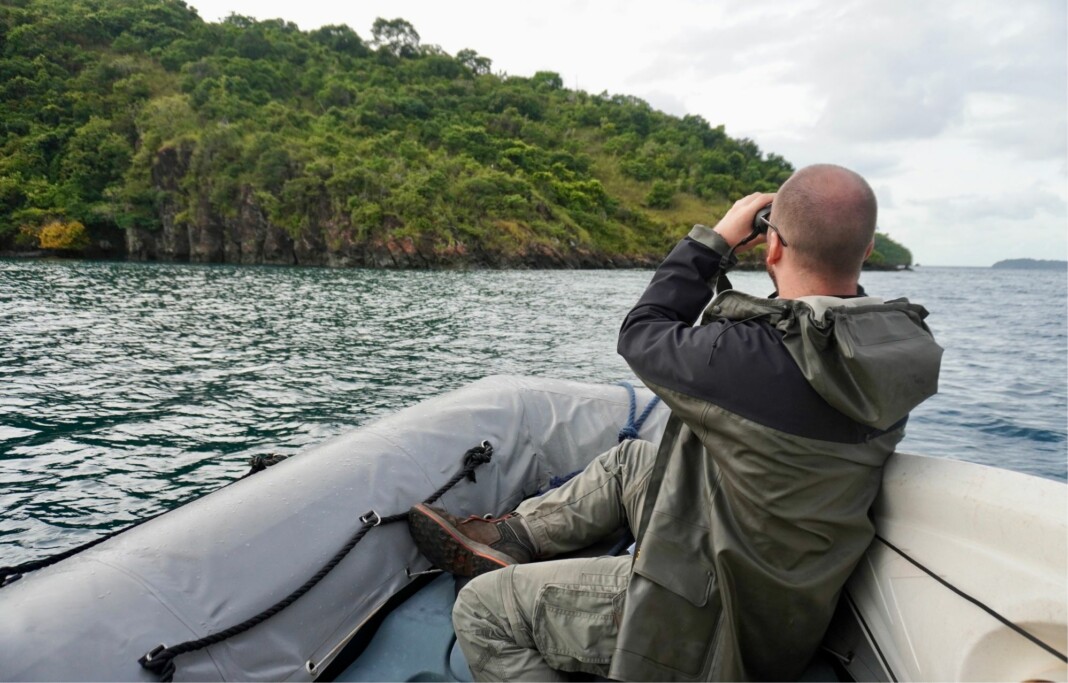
(132, 126)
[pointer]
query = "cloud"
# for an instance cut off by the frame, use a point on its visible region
(1009, 207)
(885, 196)
(1031, 127)
(879, 72)
(668, 102)
(871, 161)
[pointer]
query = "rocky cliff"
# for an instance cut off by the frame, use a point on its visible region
(246, 235)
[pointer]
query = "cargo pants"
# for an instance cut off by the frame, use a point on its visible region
(529, 622)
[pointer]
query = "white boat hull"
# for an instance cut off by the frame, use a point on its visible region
(995, 536)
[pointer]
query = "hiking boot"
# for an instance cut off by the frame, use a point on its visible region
(472, 546)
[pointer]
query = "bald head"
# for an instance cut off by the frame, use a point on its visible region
(827, 215)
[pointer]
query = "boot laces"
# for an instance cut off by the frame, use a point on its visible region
(485, 518)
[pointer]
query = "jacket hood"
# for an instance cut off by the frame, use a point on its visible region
(872, 360)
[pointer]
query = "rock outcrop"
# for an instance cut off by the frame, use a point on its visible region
(202, 235)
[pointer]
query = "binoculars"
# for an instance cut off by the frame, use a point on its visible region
(760, 220)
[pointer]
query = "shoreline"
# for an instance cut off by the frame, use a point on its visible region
(580, 261)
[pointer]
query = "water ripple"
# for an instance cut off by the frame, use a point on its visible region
(129, 388)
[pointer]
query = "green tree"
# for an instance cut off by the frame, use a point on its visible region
(888, 253)
(341, 39)
(549, 80)
(396, 37)
(660, 196)
(478, 65)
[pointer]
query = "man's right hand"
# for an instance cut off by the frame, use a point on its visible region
(737, 223)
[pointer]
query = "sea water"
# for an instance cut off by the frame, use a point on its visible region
(126, 388)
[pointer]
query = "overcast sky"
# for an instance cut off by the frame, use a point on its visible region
(955, 111)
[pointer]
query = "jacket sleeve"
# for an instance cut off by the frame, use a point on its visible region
(658, 338)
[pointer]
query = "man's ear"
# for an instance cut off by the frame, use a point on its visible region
(871, 247)
(774, 248)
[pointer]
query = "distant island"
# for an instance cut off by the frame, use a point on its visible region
(1031, 264)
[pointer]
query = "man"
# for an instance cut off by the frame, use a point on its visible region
(753, 512)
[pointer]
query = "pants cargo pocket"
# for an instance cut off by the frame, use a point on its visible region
(575, 627)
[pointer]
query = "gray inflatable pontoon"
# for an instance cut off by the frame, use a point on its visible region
(219, 560)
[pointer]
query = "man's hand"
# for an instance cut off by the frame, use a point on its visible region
(737, 223)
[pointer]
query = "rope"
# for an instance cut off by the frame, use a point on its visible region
(558, 481)
(11, 574)
(630, 430)
(989, 610)
(634, 426)
(260, 462)
(160, 660)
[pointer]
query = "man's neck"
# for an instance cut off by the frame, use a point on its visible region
(794, 284)
(860, 292)
(839, 290)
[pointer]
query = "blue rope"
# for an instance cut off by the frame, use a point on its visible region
(634, 426)
(556, 482)
(627, 431)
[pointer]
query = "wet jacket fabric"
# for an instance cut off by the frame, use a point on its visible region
(783, 414)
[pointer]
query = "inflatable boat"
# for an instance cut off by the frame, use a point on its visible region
(297, 574)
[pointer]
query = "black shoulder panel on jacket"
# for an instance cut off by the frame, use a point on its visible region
(749, 372)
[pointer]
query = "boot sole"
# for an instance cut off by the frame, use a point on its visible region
(448, 549)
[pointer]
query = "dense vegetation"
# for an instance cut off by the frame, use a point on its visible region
(133, 125)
